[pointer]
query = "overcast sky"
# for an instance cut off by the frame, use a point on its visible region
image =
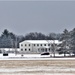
(22, 17)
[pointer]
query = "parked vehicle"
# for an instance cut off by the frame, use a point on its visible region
(46, 53)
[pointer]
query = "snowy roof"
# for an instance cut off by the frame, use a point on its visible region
(41, 41)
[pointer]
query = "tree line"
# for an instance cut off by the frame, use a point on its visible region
(10, 40)
(68, 42)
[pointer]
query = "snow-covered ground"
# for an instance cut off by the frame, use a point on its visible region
(34, 57)
(28, 67)
(37, 68)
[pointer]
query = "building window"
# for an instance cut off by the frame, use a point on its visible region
(49, 49)
(40, 44)
(21, 49)
(44, 44)
(34, 44)
(48, 44)
(25, 45)
(25, 49)
(42, 50)
(52, 45)
(21, 44)
(37, 44)
(29, 49)
(29, 44)
(45, 49)
(38, 49)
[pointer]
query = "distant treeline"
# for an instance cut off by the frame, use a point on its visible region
(10, 40)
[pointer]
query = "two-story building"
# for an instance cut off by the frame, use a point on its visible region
(37, 46)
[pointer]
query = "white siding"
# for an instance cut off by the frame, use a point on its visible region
(42, 45)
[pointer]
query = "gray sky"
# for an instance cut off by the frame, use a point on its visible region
(22, 17)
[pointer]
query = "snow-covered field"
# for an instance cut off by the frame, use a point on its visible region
(35, 64)
(37, 67)
(34, 57)
(37, 70)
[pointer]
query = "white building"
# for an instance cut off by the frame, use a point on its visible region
(37, 46)
(9, 50)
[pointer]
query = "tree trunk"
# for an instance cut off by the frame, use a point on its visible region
(64, 55)
(54, 54)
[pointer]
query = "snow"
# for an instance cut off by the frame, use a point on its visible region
(41, 41)
(29, 70)
(12, 56)
(45, 69)
(36, 68)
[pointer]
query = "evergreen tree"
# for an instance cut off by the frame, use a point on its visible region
(72, 33)
(65, 46)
